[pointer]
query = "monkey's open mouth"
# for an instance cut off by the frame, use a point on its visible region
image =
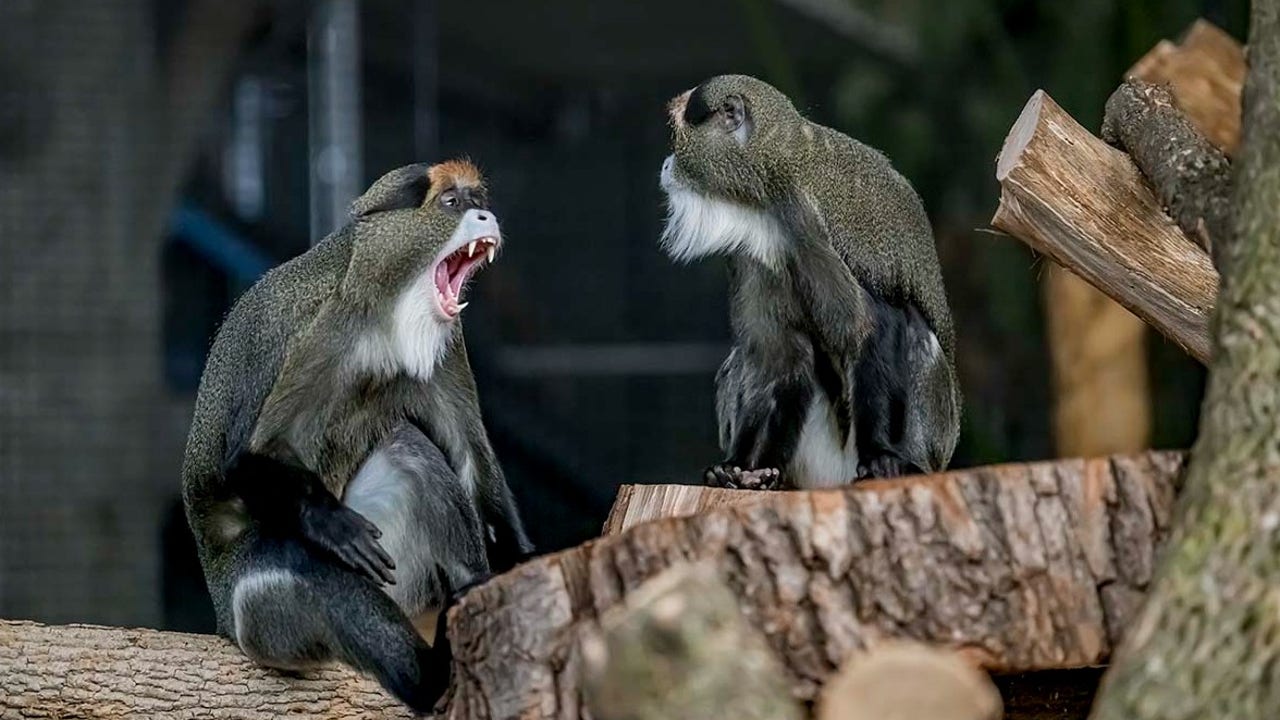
(453, 271)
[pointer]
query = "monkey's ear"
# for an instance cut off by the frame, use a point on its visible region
(733, 117)
(400, 189)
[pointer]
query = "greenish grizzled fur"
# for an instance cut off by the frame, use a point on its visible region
(302, 371)
(854, 241)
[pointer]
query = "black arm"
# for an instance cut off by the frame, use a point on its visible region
(285, 499)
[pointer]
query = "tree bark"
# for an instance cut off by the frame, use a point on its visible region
(88, 671)
(1085, 204)
(1205, 72)
(1019, 567)
(1206, 642)
(1191, 176)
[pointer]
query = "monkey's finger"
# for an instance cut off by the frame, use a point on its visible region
(377, 560)
(383, 556)
(352, 557)
(368, 525)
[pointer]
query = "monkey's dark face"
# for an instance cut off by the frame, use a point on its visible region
(422, 233)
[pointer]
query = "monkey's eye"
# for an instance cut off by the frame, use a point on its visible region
(732, 114)
(449, 198)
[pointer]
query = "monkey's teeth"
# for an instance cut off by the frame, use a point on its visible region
(461, 306)
(493, 250)
(471, 249)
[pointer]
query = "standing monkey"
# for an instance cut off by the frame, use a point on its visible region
(842, 365)
(337, 477)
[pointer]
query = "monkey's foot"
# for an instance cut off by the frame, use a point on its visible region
(735, 478)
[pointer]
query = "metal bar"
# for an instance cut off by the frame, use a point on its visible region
(333, 107)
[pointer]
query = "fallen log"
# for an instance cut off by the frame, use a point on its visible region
(1085, 204)
(89, 671)
(1018, 567)
(1206, 74)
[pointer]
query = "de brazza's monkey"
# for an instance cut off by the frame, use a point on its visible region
(842, 363)
(337, 477)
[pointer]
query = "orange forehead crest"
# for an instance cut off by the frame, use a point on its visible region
(452, 174)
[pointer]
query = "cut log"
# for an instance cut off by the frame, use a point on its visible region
(680, 648)
(1018, 567)
(89, 671)
(907, 680)
(1191, 176)
(1085, 204)
(640, 503)
(1206, 73)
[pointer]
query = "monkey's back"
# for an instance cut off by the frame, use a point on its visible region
(242, 366)
(879, 226)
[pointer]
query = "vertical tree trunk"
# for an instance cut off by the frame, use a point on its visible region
(1207, 644)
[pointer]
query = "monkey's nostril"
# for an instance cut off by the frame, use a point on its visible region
(482, 217)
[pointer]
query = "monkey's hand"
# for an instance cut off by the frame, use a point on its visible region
(351, 537)
(733, 477)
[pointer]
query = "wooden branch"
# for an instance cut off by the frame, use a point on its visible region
(1070, 195)
(1191, 176)
(1206, 73)
(88, 671)
(681, 648)
(1019, 567)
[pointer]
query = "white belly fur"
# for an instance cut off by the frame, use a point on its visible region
(384, 495)
(820, 461)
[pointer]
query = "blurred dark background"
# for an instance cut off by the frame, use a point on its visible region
(156, 157)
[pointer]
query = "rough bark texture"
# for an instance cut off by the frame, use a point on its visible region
(1097, 349)
(87, 671)
(680, 648)
(1206, 72)
(1207, 642)
(908, 681)
(1020, 567)
(1086, 205)
(1191, 176)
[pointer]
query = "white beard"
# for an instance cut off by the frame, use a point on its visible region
(698, 226)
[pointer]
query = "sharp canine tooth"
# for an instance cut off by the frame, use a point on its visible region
(461, 305)
(471, 249)
(492, 252)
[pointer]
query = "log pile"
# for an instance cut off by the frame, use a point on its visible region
(1019, 568)
(1138, 222)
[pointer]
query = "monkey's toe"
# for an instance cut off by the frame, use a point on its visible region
(722, 475)
(760, 479)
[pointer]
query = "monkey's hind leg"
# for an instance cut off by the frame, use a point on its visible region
(293, 610)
